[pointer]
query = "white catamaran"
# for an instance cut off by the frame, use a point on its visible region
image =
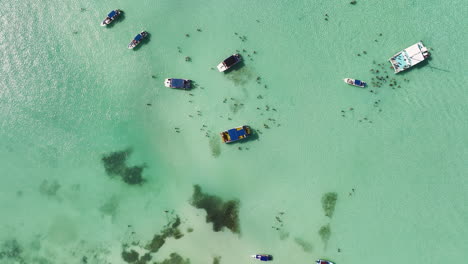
(409, 57)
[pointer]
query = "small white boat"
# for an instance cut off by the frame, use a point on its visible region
(355, 82)
(262, 257)
(178, 83)
(229, 62)
(322, 261)
(111, 17)
(138, 39)
(409, 57)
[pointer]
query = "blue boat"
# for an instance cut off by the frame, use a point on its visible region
(354, 82)
(263, 257)
(178, 83)
(137, 40)
(111, 17)
(235, 134)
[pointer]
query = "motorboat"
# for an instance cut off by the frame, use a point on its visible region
(229, 62)
(114, 14)
(355, 82)
(178, 83)
(409, 57)
(235, 134)
(262, 257)
(137, 40)
(322, 261)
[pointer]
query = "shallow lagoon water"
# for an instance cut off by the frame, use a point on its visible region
(71, 93)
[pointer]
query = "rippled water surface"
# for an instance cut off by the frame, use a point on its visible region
(100, 163)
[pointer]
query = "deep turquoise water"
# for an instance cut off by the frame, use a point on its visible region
(71, 92)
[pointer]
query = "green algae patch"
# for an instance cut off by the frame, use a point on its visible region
(115, 164)
(49, 188)
(328, 203)
(156, 243)
(11, 251)
(217, 260)
(110, 207)
(130, 256)
(306, 246)
(221, 214)
(170, 230)
(215, 146)
(144, 259)
(325, 233)
(240, 75)
(174, 258)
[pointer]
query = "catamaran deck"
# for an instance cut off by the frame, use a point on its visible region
(409, 57)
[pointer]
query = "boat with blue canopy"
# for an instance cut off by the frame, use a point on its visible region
(114, 14)
(235, 134)
(137, 40)
(263, 257)
(178, 83)
(355, 82)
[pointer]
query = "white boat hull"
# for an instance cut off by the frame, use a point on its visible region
(221, 67)
(353, 82)
(167, 83)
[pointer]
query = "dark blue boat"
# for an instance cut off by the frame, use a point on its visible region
(111, 17)
(263, 257)
(354, 82)
(235, 134)
(178, 83)
(137, 40)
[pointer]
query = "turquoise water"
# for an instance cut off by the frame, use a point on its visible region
(71, 92)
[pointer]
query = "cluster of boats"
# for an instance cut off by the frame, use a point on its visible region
(228, 136)
(401, 61)
(265, 257)
(112, 16)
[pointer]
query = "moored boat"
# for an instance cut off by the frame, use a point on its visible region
(263, 257)
(409, 57)
(137, 40)
(114, 14)
(322, 261)
(355, 82)
(235, 134)
(178, 83)
(229, 62)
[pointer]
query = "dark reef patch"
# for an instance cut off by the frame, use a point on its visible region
(11, 251)
(130, 256)
(115, 164)
(239, 75)
(49, 188)
(306, 246)
(215, 146)
(221, 214)
(329, 202)
(174, 258)
(110, 207)
(133, 257)
(325, 233)
(169, 230)
(217, 260)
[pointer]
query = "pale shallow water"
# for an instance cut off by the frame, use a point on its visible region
(70, 92)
